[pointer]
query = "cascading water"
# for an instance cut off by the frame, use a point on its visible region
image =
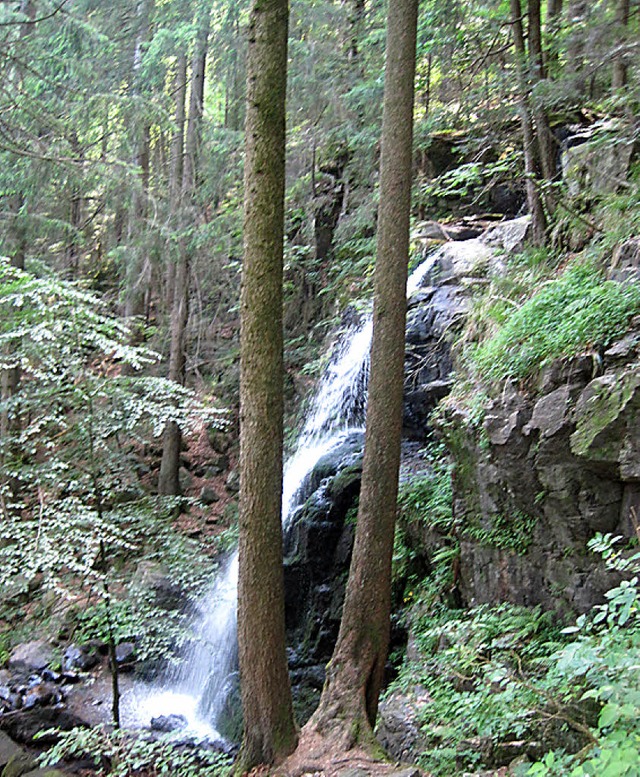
(199, 689)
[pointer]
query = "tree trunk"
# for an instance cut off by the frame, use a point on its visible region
(10, 379)
(349, 702)
(168, 480)
(176, 164)
(138, 272)
(619, 76)
(577, 13)
(269, 728)
(554, 18)
(546, 141)
(534, 201)
(234, 78)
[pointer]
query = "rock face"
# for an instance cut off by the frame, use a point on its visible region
(596, 160)
(545, 471)
(318, 546)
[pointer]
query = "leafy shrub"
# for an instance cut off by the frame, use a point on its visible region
(602, 664)
(122, 754)
(576, 311)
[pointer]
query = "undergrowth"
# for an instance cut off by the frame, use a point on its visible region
(576, 311)
(122, 754)
(504, 685)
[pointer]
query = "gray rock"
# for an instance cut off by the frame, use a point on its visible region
(184, 479)
(232, 483)
(31, 656)
(22, 726)
(45, 772)
(167, 723)
(551, 412)
(8, 750)
(510, 236)
(625, 262)
(20, 763)
(40, 695)
(599, 166)
(208, 496)
(79, 657)
(125, 654)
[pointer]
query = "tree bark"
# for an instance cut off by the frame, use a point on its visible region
(619, 75)
(176, 164)
(168, 479)
(269, 728)
(349, 702)
(534, 201)
(554, 17)
(138, 270)
(546, 141)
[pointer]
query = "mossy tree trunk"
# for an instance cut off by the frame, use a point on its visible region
(269, 728)
(349, 703)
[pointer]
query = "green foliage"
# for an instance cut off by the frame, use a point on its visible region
(123, 754)
(477, 668)
(576, 311)
(469, 180)
(75, 509)
(601, 664)
(498, 675)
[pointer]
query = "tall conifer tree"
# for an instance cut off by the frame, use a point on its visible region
(269, 728)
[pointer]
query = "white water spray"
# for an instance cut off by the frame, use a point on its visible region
(199, 689)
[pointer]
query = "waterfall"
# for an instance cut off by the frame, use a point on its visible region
(199, 688)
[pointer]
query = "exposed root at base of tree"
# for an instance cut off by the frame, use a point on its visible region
(325, 756)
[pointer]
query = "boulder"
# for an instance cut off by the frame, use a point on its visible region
(125, 655)
(208, 496)
(167, 723)
(31, 656)
(508, 236)
(20, 763)
(625, 262)
(23, 725)
(79, 657)
(9, 751)
(597, 161)
(232, 483)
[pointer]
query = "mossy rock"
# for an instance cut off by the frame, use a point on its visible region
(606, 407)
(20, 763)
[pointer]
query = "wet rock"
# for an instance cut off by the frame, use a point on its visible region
(31, 657)
(79, 657)
(167, 723)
